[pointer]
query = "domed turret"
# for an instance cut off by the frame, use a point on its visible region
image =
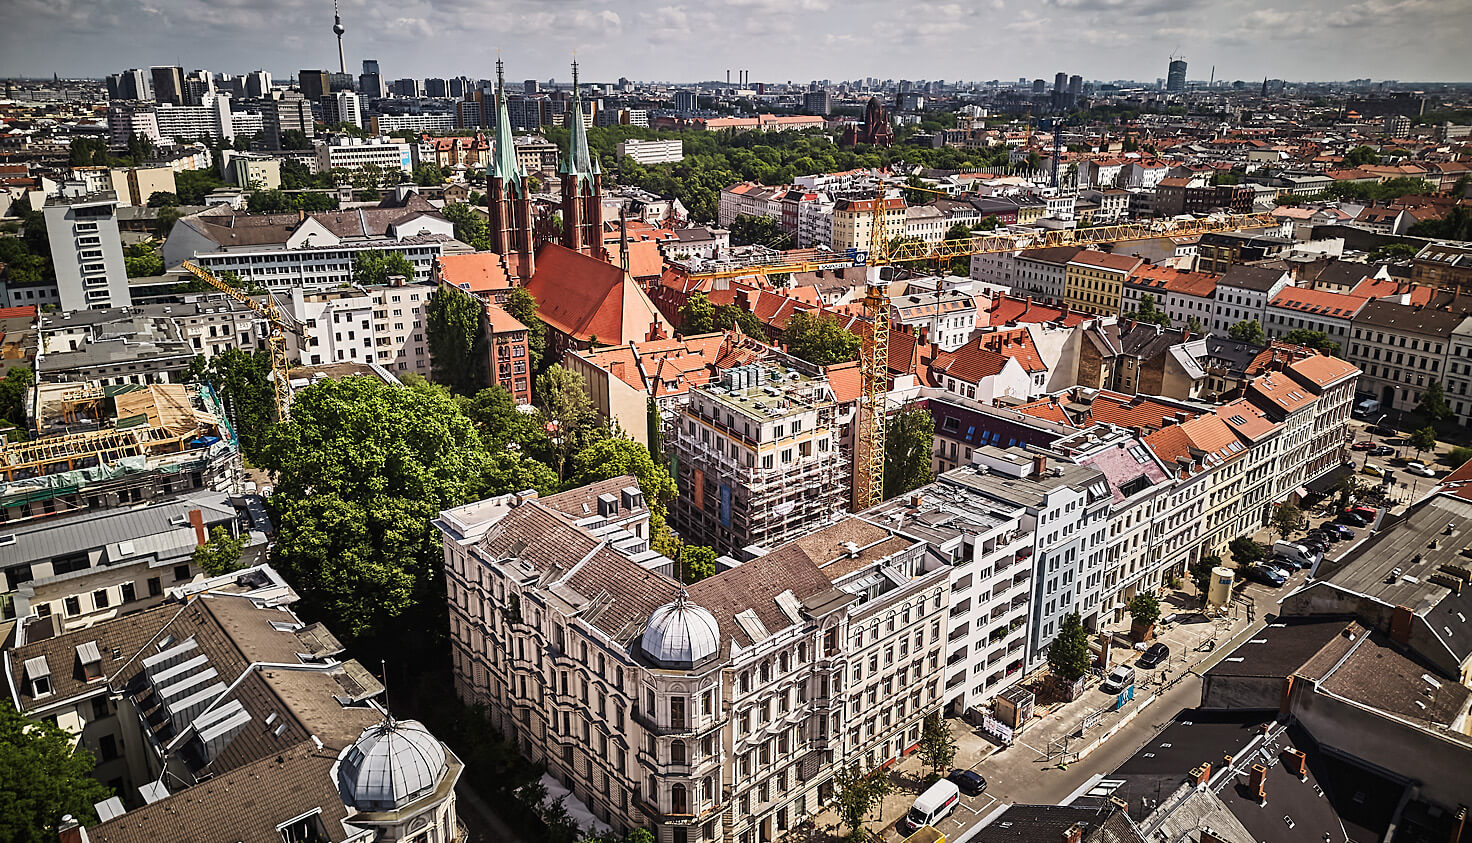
(680, 635)
(390, 765)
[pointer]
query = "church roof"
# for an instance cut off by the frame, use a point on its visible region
(585, 298)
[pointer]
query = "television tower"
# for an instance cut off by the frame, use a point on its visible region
(337, 27)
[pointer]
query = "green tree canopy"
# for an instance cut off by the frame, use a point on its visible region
(1248, 331)
(730, 316)
(1423, 439)
(295, 139)
(567, 409)
(1360, 156)
(1459, 456)
(1245, 551)
(1068, 655)
(614, 457)
(1312, 339)
(759, 231)
(457, 340)
(697, 315)
(42, 778)
(1456, 225)
(470, 226)
(193, 185)
(243, 381)
(142, 260)
(908, 441)
(937, 745)
(857, 792)
(1144, 609)
(14, 388)
(697, 562)
(1286, 519)
(1148, 311)
(221, 554)
(1433, 403)
(428, 174)
(820, 340)
(494, 413)
(375, 266)
(1393, 252)
(361, 470)
(162, 199)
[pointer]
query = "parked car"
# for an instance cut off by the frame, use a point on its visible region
(1315, 545)
(1120, 678)
(1381, 451)
(1287, 566)
(1384, 430)
(1324, 536)
(970, 782)
(1420, 469)
(1364, 445)
(1344, 532)
(1266, 574)
(1373, 470)
(1366, 511)
(1157, 653)
(1355, 519)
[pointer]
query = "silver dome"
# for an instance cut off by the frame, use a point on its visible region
(390, 765)
(680, 635)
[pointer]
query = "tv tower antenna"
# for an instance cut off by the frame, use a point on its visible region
(339, 29)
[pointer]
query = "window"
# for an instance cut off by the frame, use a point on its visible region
(73, 606)
(155, 587)
(677, 752)
(100, 708)
(181, 572)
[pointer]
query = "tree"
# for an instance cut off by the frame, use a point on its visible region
(1456, 225)
(1245, 551)
(654, 427)
(697, 315)
(1433, 403)
(295, 139)
(747, 230)
(14, 388)
(43, 777)
(937, 745)
(1393, 252)
(1423, 439)
(1248, 331)
(457, 340)
(730, 316)
(376, 266)
(908, 441)
(855, 795)
(142, 260)
(470, 226)
(243, 380)
(613, 457)
(820, 340)
(221, 554)
(697, 563)
(192, 185)
(1456, 457)
(164, 221)
(163, 199)
(1286, 519)
(1312, 339)
(1149, 312)
(1360, 156)
(1068, 655)
(361, 470)
(428, 174)
(1193, 325)
(1144, 610)
(502, 423)
(522, 307)
(571, 421)
(1201, 574)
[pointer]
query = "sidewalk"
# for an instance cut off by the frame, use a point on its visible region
(1057, 735)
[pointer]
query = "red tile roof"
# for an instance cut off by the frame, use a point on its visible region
(478, 273)
(845, 380)
(29, 311)
(501, 321)
(580, 296)
(1319, 302)
(1006, 309)
(1321, 370)
(1375, 288)
(1133, 410)
(1281, 391)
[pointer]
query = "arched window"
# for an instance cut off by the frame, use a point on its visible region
(766, 670)
(783, 662)
(679, 803)
(677, 752)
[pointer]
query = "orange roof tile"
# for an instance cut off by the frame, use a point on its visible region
(1133, 410)
(501, 321)
(1246, 420)
(477, 273)
(845, 380)
(1376, 288)
(1319, 302)
(1281, 391)
(1321, 370)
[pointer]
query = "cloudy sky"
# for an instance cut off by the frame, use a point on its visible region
(777, 40)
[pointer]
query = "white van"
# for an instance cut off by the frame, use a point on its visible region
(1120, 678)
(1297, 552)
(932, 806)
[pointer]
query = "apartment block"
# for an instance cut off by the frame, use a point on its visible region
(853, 221)
(86, 250)
(1093, 281)
(651, 152)
(757, 461)
(714, 711)
(379, 324)
(1401, 349)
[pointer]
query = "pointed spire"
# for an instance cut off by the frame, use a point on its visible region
(580, 162)
(504, 165)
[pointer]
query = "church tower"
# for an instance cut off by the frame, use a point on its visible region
(582, 185)
(508, 200)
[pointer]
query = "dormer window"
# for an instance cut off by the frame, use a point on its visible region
(38, 674)
(91, 661)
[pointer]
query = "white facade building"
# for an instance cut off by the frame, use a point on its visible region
(651, 152)
(350, 153)
(1243, 293)
(86, 250)
(378, 324)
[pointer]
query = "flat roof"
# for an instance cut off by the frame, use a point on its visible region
(1026, 491)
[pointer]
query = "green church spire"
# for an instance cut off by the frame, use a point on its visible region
(504, 165)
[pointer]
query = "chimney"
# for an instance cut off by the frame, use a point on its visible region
(1039, 465)
(1074, 834)
(1296, 763)
(1286, 703)
(1202, 774)
(1400, 625)
(196, 520)
(1257, 785)
(1185, 333)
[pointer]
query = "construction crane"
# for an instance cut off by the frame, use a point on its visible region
(275, 342)
(868, 486)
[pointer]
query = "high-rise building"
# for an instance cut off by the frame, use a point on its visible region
(434, 87)
(817, 102)
(342, 107)
(199, 87)
(1039, 86)
(406, 88)
(131, 84)
(285, 111)
(86, 249)
(168, 84)
(460, 86)
(257, 84)
(1060, 83)
(1075, 87)
(687, 101)
(341, 82)
(370, 83)
(1175, 80)
(314, 84)
(531, 87)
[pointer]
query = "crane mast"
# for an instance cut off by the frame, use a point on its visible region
(275, 342)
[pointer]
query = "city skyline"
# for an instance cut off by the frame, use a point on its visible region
(1406, 40)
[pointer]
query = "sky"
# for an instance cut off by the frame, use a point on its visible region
(776, 40)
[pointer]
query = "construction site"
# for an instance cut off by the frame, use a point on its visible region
(757, 459)
(96, 446)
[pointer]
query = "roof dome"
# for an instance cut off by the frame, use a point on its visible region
(680, 635)
(390, 765)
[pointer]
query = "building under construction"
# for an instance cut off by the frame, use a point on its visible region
(97, 446)
(757, 459)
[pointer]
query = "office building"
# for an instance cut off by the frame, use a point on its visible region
(687, 102)
(86, 250)
(531, 87)
(314, 84)
(354, 153)
(256, 84)
(342, 107)
(260, 172)
(167, 84)
(286, 111)
(131, 84)
(174, 124)
(199, 87)
(715, 711)
(817, 102)
(651, 152)
(757, 457)
(1175, 80)
(406, 88)
(370, 81)
(434, 87)
(385, 124)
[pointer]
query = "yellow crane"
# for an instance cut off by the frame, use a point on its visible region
(275, 342)
(868, 488)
